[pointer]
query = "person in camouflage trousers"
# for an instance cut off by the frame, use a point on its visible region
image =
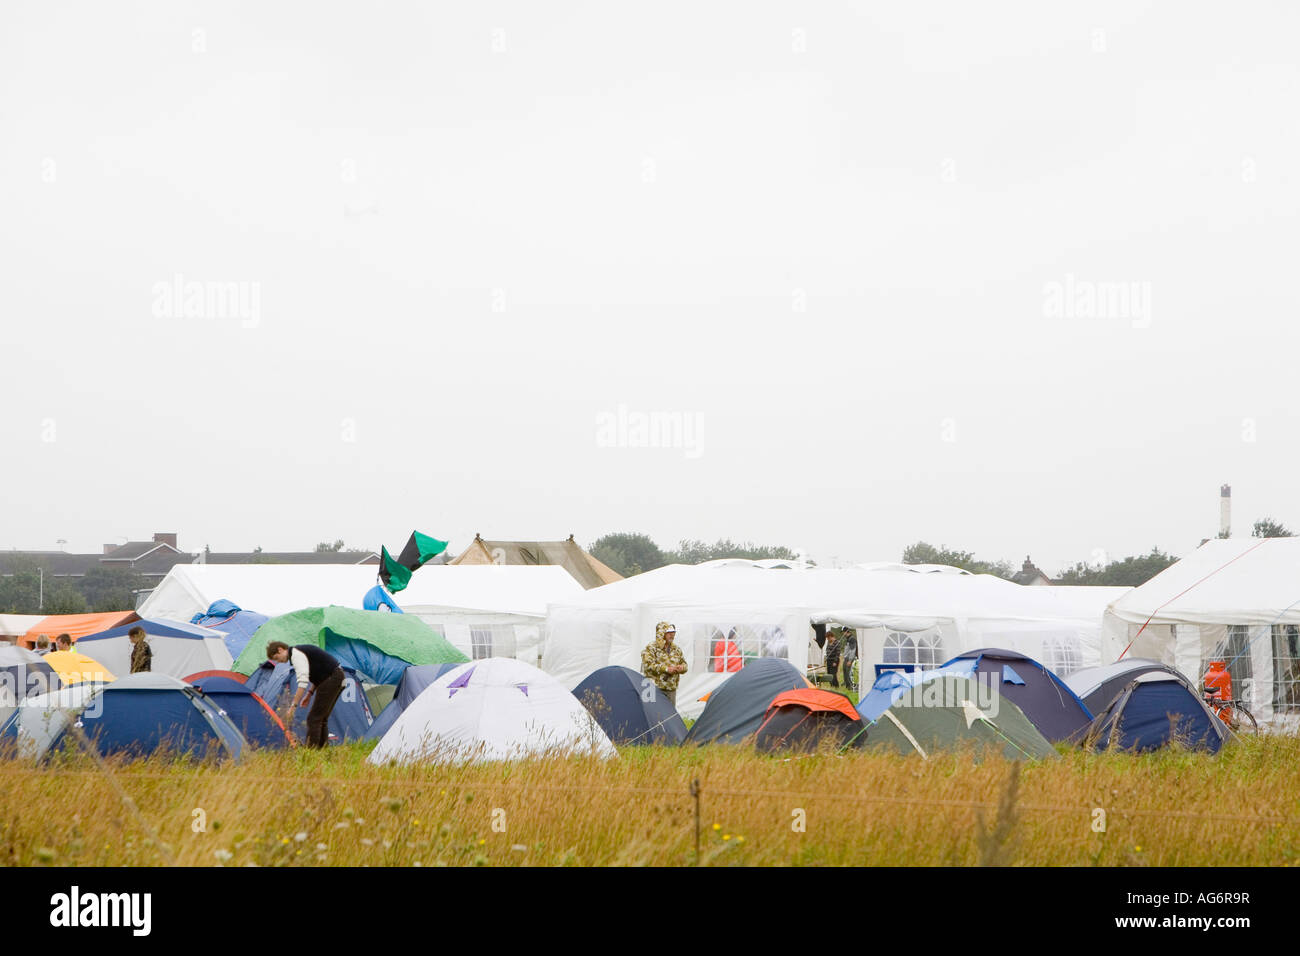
(662, 661)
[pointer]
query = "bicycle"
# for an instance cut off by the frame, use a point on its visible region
(1232, 711)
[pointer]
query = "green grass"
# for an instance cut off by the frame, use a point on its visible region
(331, 807)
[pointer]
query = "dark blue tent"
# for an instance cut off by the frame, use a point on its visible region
(144, 713)
(1153, 706)
(414, 679)
(277, 683)
(239, 625)
(629, 708)
(254, 718)
(735, 710)
(1045, 699)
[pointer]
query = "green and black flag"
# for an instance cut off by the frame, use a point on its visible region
(421, 549)
(395, 574)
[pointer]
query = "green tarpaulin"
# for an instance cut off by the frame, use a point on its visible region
(403, 636)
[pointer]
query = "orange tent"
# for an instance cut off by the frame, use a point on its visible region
(815, 700)
(76, 625)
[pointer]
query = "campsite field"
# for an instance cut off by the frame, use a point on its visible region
(303, 808)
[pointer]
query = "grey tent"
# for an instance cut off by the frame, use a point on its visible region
(948, 712)
(736, 709)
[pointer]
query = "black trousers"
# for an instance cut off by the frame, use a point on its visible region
(322, 705)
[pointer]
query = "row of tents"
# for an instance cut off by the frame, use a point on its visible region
(500, 709)
(1232, 599)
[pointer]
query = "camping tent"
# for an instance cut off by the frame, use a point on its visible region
(803, 720)
(75, 625)
(74, 667)
(23, 673)
(237, 624)
(1232, 599)
(630, 708)
(905, 616)
(1098, 686)
(14, 627)
(248, 711)
(414, 680)
(485, 611)
(495, 709)
(1153, 709)
(136, 716)
(946, 712)
(278, 683)
(178, 649)
(736, 709)
(1041, 696)
(378, 645)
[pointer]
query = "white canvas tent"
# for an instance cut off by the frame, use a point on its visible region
(767, 611)
(1060, 627)
(487, 710)
(484, 610)
(1233, 599)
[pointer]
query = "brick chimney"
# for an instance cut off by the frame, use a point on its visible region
(165, 538)
(110, 548)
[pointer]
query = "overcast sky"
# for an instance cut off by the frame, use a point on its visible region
(1010, 279)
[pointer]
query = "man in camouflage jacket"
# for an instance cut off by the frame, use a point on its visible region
(662, 661)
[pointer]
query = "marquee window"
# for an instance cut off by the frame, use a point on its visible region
(1286, 668)
(921, 651)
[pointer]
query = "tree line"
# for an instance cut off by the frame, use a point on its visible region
(99, 589)
(631, 553)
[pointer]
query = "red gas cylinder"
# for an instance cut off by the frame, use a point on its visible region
(1218, 682)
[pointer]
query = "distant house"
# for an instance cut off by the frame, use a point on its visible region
(585, 569)
(1030, 575)
(153, 559)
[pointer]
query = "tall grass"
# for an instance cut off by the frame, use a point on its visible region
(331, 808)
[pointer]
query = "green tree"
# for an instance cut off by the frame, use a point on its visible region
(925, 553)
(697, 552)
(65, 599)
(325, 546)
(1130, 572)
(628, 553)
(112, 589)
(1268, 528)
(20, 586)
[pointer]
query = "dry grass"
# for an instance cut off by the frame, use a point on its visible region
(304, 808)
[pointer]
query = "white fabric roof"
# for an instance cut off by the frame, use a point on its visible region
(16, 625)
(273, 589)
(611, 624)
(1224, 581)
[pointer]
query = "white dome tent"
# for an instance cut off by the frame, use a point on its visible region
(488, 710)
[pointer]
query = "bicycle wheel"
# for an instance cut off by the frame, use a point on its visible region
(1243, 721)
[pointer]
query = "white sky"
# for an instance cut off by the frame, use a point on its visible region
(824, 236)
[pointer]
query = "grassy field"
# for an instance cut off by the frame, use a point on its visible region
(310, 808)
